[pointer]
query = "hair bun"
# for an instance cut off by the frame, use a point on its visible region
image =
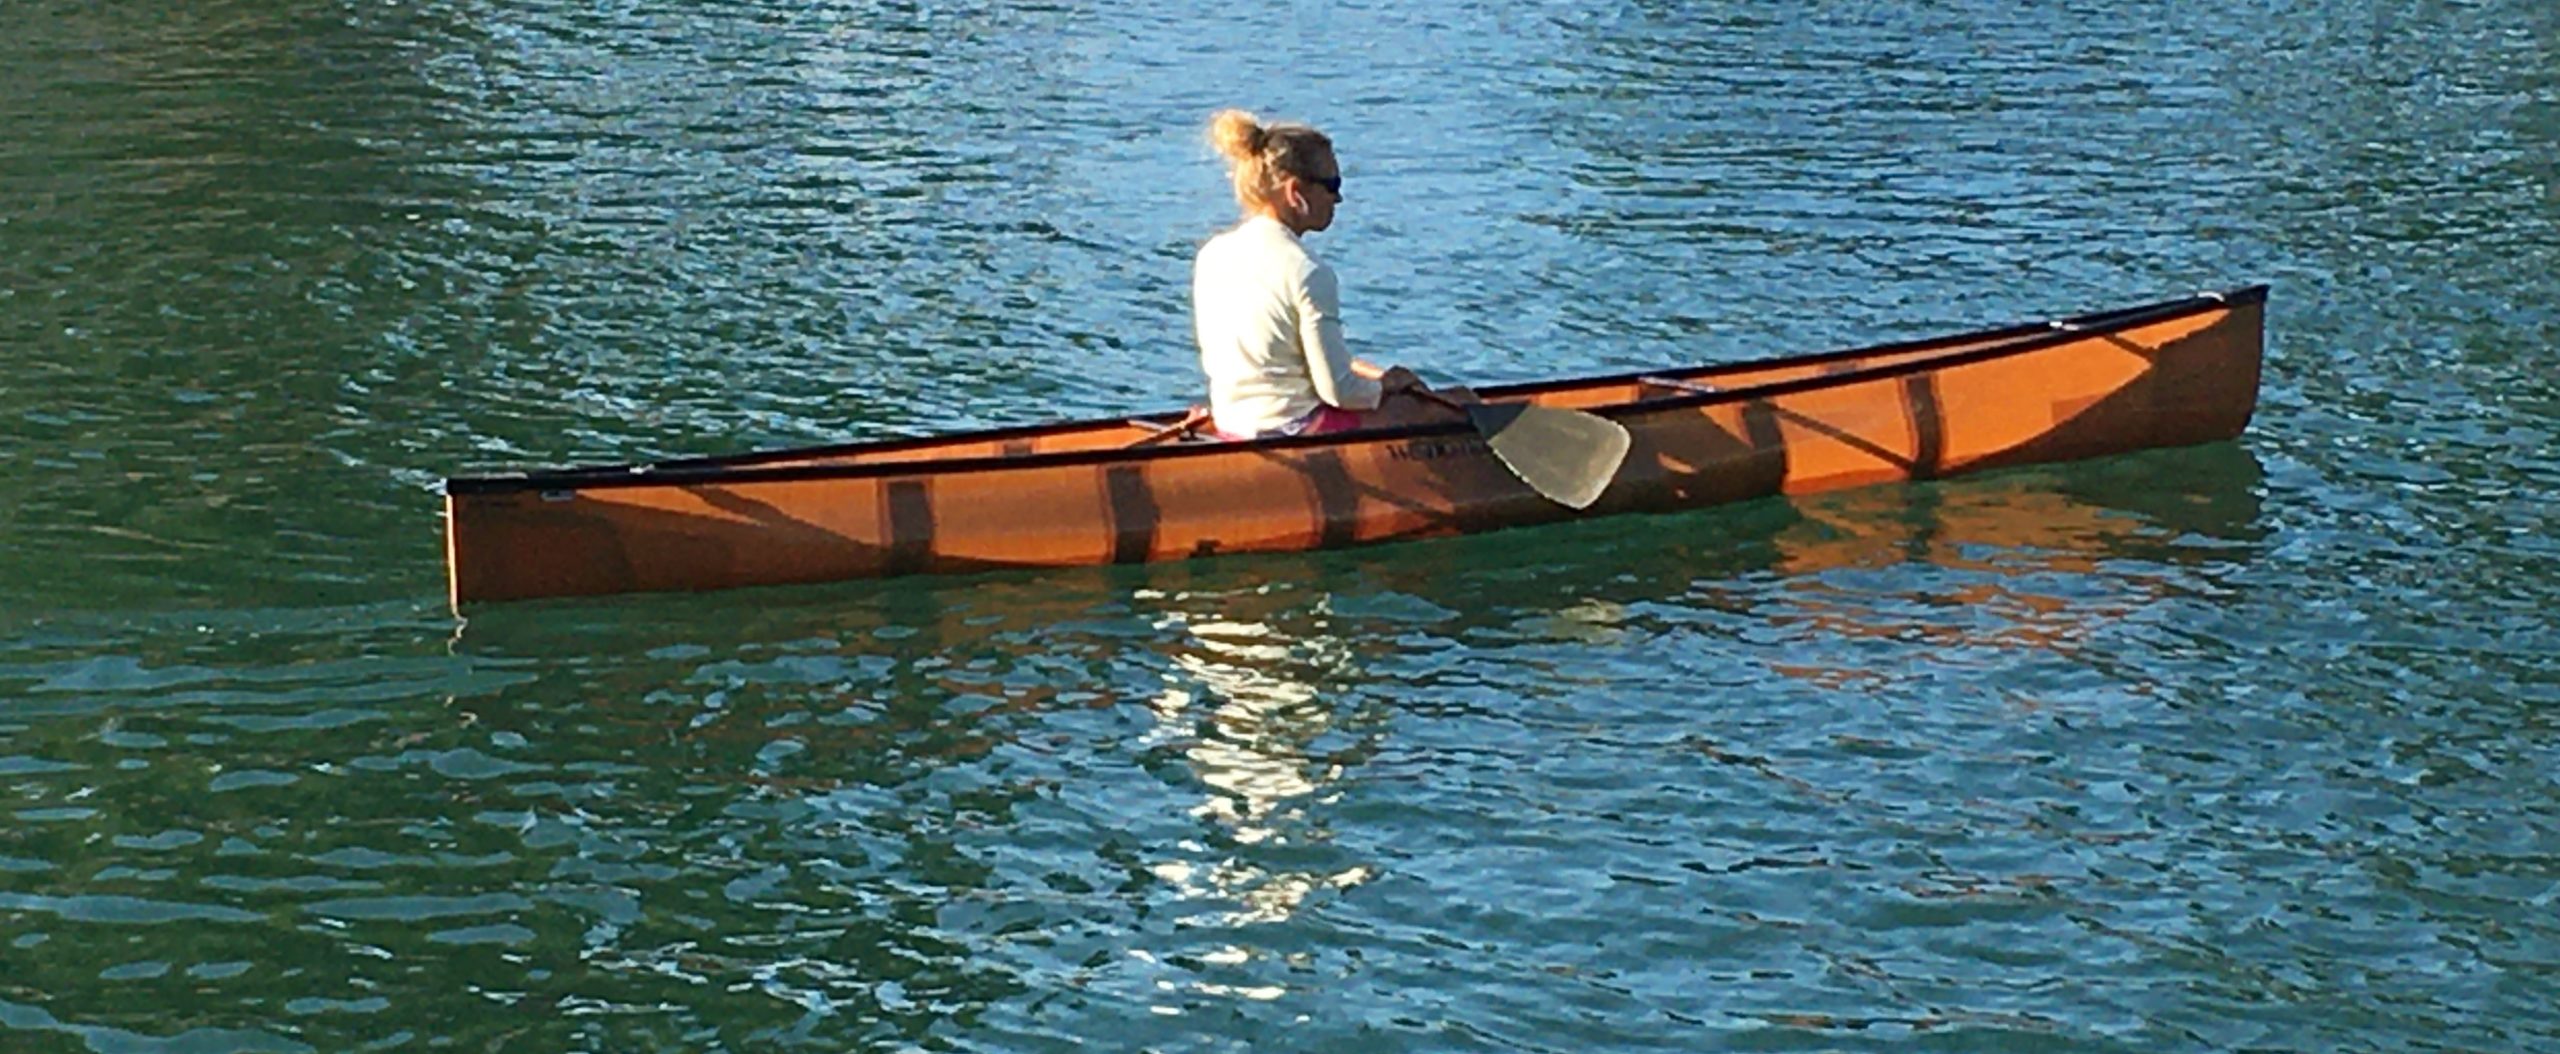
(1237, 134)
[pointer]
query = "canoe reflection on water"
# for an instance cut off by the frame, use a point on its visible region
(1242, 664)
(2034, 558)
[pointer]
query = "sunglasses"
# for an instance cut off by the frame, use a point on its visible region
(1331, 184)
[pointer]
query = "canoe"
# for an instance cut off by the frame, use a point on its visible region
(1135, 489)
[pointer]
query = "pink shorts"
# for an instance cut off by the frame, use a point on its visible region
(1325, 420)
(1330, 419)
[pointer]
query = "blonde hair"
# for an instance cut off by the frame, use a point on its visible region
(1260, 155)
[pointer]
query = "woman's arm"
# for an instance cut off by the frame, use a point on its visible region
(1391, 379)
(1339, 380)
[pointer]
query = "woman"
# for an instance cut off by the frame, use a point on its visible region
(1268, 314)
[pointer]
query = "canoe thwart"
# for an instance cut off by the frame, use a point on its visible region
(1676, 384)
(1186, 428)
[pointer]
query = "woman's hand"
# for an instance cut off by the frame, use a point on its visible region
(1397, 379)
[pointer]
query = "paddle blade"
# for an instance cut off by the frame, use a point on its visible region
(1567, 456)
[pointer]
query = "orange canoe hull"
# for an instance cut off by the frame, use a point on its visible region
(1115, 491)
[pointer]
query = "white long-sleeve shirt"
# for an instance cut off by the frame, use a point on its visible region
(1269, 320)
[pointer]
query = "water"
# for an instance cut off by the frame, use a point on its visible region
(2242, 747)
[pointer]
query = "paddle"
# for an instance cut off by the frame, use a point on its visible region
(1567, 456)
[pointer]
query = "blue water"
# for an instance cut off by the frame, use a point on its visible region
(2238, 747)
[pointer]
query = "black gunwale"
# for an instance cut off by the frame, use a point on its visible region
(755, 466)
